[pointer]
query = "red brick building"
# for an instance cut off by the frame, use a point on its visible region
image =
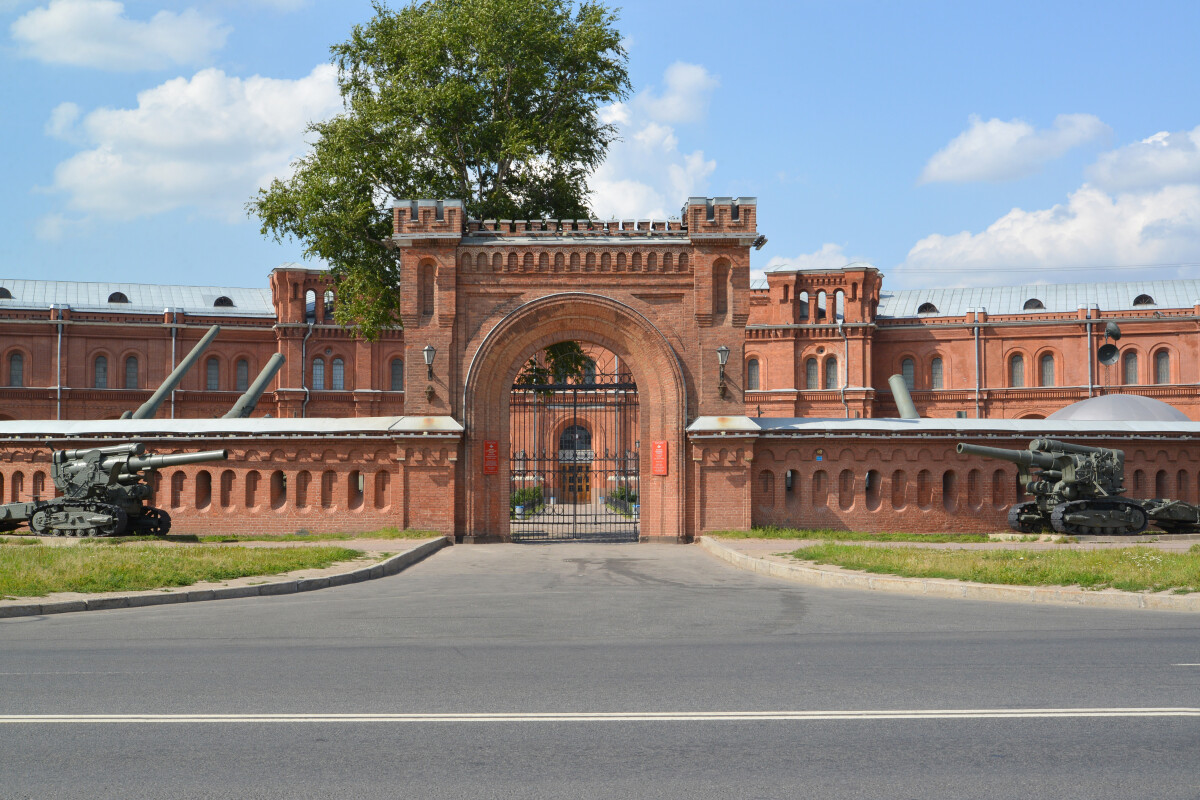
(670, 448)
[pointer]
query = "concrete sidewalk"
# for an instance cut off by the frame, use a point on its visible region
(367, 567)
(760, 555)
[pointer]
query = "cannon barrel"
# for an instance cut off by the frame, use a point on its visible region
(149, 408)
(156, 462)
(245, 404)
(1047, 445)
(904, 403)
(133, 449)
(1023, 457)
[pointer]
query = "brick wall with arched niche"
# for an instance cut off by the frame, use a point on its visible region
(590, 319)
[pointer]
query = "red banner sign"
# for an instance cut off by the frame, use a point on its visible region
(491, 457)
(658, 458)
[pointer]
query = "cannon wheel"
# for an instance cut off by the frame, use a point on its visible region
(1015, 522)
(155, 522)
(1108, 517)
(39, 523)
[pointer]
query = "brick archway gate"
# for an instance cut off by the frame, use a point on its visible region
(591, 319)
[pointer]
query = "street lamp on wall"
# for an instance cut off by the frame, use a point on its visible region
(722, 360)
(429, 352)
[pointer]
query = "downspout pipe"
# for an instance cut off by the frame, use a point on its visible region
(978, 377)
(304, 369)
(58, 361)
(1090, 357)
(845, 365)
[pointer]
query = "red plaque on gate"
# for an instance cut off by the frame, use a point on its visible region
(491, 457)
(658, 458)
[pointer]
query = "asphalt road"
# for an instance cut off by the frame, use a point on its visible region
(575, 630)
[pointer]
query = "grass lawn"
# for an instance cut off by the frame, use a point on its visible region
(37, 571)
(771, 532)
(230, 538)
(1133, 569)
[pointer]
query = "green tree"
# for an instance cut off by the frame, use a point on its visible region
(490, 101)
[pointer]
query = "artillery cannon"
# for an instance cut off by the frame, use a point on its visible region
(1077, 490)
(102, 493)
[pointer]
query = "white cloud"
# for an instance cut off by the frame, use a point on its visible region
(204, 143)
(830, 256)
(1093, 228)
(96, 33)
(646, 175)
(52, 227)
(1159, 160)
(62, 120)
(996, 150)
(685, 99)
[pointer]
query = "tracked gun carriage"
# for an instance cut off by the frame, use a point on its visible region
(102, 493)
(1077, 490)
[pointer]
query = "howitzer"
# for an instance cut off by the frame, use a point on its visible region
(1076, 488)
(102, 492)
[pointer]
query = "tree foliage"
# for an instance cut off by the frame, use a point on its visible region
(490, 101)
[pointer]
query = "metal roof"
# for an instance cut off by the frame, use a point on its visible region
(144, 298)
(260, 426)
(837, 427)
(1056, 297)
(1110, 407)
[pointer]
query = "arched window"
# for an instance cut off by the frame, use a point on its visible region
(310, 306)
(329, 305)
(241, 375)
(100, 380)
(831, 373)
(575, 437)
(131, 372)
(1016, 371)
(118, 297)
(927, 308)
(1162, 367)
(589, 372)
(338, 375)
(222, 302)
(16, 370)
(1129, 368)
(1033, 304)
(318, 381)
(936, 378)
(720, 287)
(1143, 300)
(752, 374)
(397, 374)
(427, 288)
(1047, 365)
(908, 369)
(5, 294)
(810, 374)
(212, 375)
(787, 290)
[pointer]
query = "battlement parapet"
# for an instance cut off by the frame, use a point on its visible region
(427, 219)
(721, 217)
(585, 228)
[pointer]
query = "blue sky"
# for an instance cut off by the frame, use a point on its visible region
(947, 143)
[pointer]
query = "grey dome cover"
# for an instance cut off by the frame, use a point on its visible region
(1121, 408)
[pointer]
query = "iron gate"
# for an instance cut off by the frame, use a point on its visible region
(573, 468)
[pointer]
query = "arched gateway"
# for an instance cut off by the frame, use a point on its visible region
(479, 299)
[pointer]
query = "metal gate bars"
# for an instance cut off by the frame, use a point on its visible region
(574, 459)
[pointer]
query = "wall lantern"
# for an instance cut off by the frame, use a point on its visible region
(429, 352)
(722, 360)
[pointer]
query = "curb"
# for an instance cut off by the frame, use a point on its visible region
(813, 575)
(391, 566)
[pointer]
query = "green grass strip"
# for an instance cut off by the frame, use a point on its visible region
(1132, 569)
(37, 571)
(228, 538)
(771, 532)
